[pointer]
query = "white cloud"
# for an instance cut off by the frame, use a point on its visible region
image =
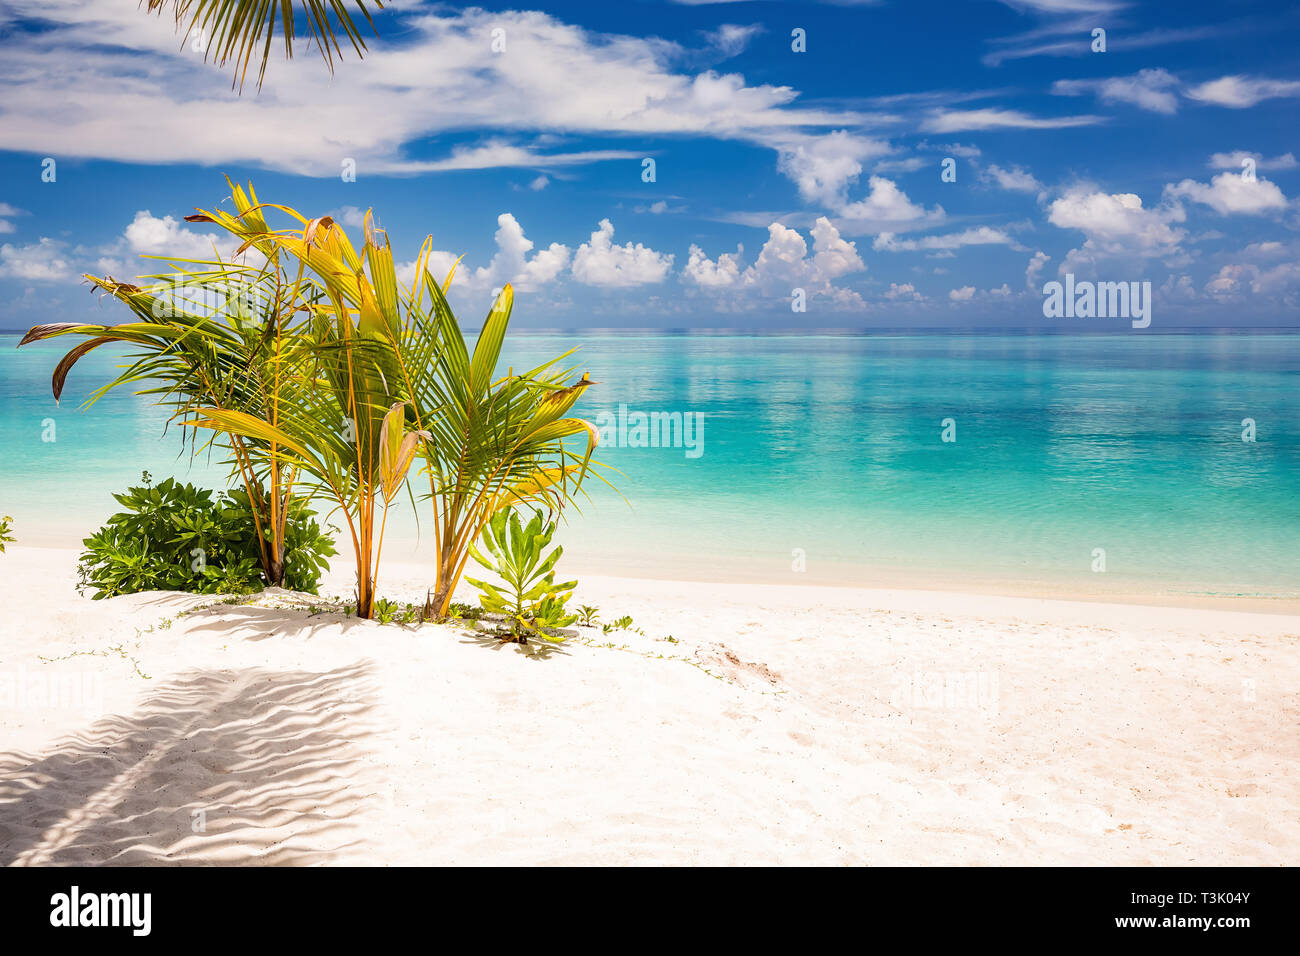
(7, 212)
(658, 208)
(833, 256)
(1117, 225)
(1035, 268)
(433, 73)
(964, 294)
(1240, 92)
(150, 236)
(1178, 288)
(1013, 180)
(1235, 159)
(500, 155)
(707, 274)
(41, 261)
(1236, 280)
(730, 39)
(1229, 193)
(823, 167)
(1265, 251)
(599, 262)
(540, 183)
(783, 264)
(960, 149)
(886, 204)
(511, 263)
(349, 216)
(979, 236)
(906, 292)
(957, 121)
(909, 165)
(1072, 35)
(1149, 89)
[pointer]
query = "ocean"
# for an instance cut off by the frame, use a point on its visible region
(1035, 463)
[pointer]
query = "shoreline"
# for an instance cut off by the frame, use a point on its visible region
(397, 555)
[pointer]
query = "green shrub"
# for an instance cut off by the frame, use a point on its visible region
(174, 537)
(531, 601)
(5, 536)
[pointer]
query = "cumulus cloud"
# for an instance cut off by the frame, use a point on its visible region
(148, 235)
(1117, 225)
(702, 271)
(1035, 268)
(886, 203)
(1229, 193)
(904, 292)
(600, 262)
(964, 294)
(511, 263)
(784, 264)
(42, 261)
(1238, 279)
(823, 167)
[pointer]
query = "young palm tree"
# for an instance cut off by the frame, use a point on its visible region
(496, 441)
(232, 30)
(227, 341)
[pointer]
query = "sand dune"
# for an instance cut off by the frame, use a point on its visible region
(780, 725)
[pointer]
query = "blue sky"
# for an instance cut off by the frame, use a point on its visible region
(775, 170)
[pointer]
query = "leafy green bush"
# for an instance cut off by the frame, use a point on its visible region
(5, 536)
(531, 601)
(175, 537)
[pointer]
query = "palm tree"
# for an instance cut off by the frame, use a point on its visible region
(495, 442)
(233, 352)
(235, 29)
(347, 377)
(487, 442)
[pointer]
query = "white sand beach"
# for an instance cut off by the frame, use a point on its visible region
(781, 725)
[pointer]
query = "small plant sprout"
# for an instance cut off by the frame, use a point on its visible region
(530, 600)
(587, 615)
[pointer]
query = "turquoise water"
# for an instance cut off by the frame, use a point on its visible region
(832, 446)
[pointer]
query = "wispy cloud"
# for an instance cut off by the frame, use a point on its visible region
(1236, 159)
(1239, 92)
(1153, 90)
(437, 75)
(960, 121)
(499, 155)
(980, 236)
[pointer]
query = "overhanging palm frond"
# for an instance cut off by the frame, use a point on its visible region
(233, 30)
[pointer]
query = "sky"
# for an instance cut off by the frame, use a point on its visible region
(691, 164)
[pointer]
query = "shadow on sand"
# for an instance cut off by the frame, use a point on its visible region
(218, 766)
